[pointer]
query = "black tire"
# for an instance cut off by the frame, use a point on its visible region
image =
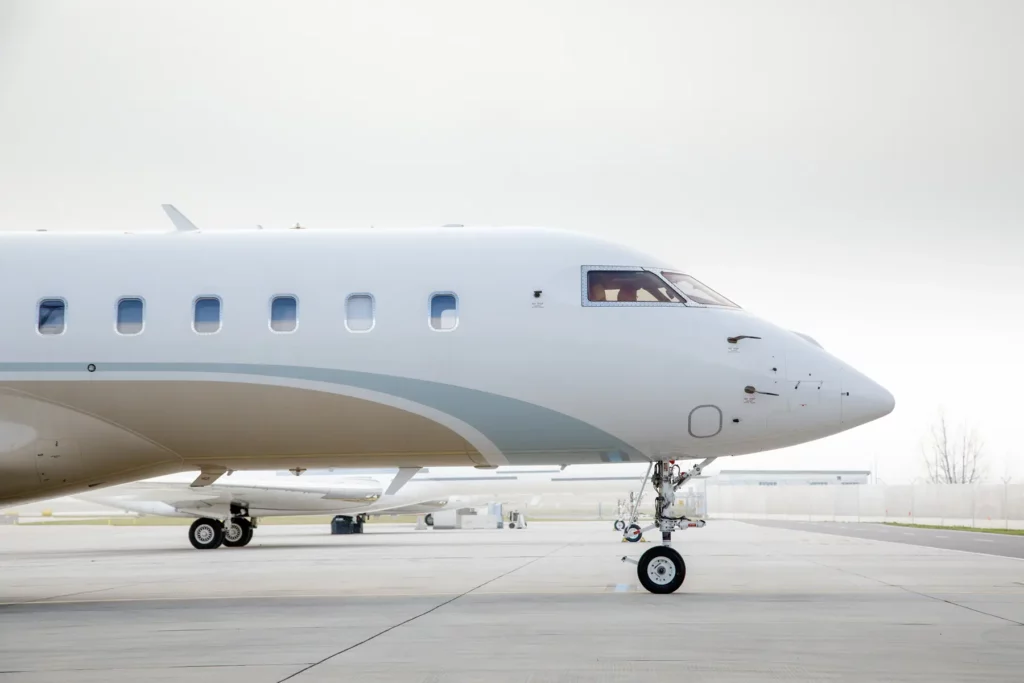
(428, 520)
(243, 538)
(619, 525)
(633, 533)
(206, 534)
(511, 525)
(661, 570)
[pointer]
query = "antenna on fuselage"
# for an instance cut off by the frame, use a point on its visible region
(181, 224)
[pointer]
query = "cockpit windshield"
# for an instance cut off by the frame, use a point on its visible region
(696, 291)
(632, 286)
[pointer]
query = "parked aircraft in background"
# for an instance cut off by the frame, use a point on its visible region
(131, 356)
(245, 496)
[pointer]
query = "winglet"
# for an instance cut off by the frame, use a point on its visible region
(181, 224)
(401, 479)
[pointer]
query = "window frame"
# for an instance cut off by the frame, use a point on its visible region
(430, 310)
(373, 312)
(585, 289)
(220, 313)
(117, 311)
(39, 306)
(270, 313)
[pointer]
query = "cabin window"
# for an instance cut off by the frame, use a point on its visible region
(359, 314)
(129, 316)
(51, 316)
(206, 316)
(629, 287)
(284, 314)
(444, 311)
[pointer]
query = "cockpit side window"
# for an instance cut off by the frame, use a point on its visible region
(629, 286)
(696, 291)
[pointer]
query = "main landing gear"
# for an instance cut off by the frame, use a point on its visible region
(207, 533)
(238, 533)
(661, 569)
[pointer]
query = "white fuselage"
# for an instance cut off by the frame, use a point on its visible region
(530, 375)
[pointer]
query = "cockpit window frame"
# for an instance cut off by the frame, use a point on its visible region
(585, 289)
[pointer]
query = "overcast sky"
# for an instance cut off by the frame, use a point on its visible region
(852, 170)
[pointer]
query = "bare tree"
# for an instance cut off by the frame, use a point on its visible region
(954, 455)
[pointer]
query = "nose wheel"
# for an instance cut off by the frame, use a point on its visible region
(661, 570)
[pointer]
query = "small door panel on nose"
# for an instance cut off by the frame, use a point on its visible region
(819, 401)
(805, 393)
(808, 366)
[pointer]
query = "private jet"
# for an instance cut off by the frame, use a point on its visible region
(130, 356)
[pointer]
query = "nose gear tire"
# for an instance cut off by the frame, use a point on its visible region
(661, 570)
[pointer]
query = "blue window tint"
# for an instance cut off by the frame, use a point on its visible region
(444, 312)
(359, 313)
(284, 312)
(51, 316)
(129, 316)
(206, 317)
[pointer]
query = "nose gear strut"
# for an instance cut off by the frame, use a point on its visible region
(661, 569)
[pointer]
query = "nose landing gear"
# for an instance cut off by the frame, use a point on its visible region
(633, 533)
(661, 569)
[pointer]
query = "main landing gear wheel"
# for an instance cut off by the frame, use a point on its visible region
(238, 534)
(206, 534)
(619, 525)
(633, 533)
(428, 519)
(661, 570)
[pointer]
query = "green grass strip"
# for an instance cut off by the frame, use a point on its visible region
(1005, 532)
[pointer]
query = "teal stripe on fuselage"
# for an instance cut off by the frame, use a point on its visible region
(524, 432)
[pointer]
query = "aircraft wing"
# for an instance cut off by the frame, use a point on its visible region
(262, 499)
(162, 492)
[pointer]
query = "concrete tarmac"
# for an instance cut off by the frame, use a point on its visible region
(1007, 545)
(548, 604)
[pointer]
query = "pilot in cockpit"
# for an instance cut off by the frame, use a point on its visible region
(627, 291)
(596, 287)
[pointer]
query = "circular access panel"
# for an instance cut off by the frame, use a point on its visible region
(705, 421)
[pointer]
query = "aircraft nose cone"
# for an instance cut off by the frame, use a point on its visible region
(864, 400)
